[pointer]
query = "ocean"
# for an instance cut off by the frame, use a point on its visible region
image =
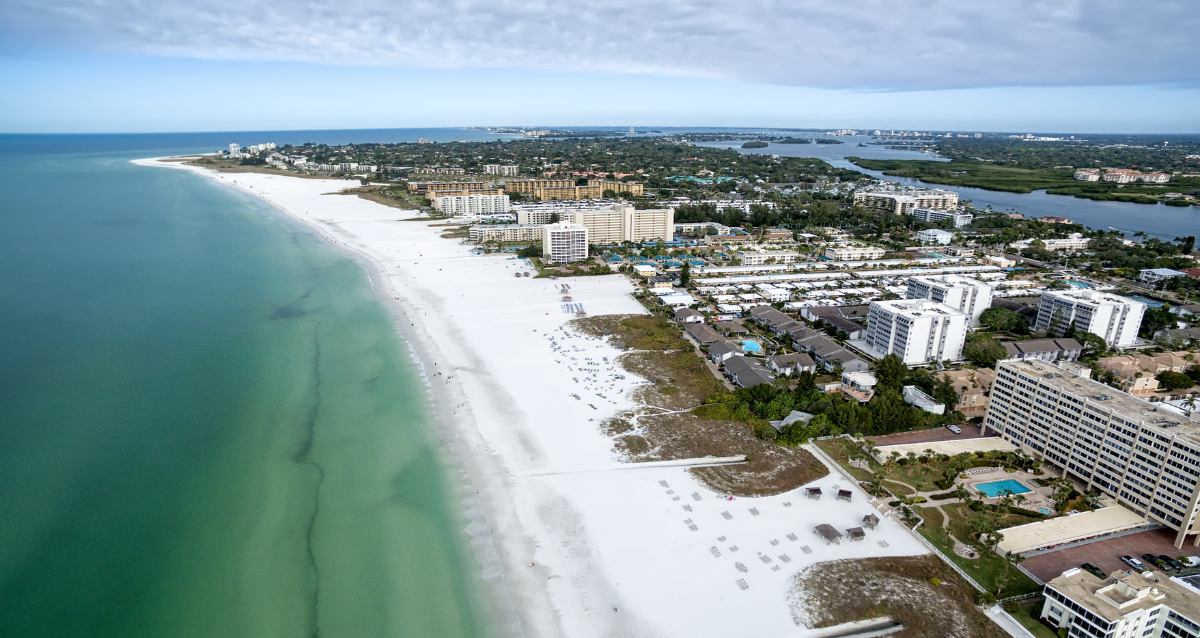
(208, 424)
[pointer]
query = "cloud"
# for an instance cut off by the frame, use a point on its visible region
(858, 44)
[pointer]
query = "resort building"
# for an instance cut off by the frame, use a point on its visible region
(904, 201)
(540, 212)
(607, 223)
(505, 233)
(970, 296)
(547, 189)
(564, 242)
(439, 189)
(761, 257)
(500, 169)
(1133, 605)
(1146, 458)
(934, 215)
(472, 205)
(916, 330)
(934, 236)
(854, 253)
(1114, 318)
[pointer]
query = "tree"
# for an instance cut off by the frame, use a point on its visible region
(984, 351)
(1156, 319)
(1186, 244)
(891, 372)
(1004, 320)
(554, 218)
(530, 251)
(1174, 380)
(943, 392)
(685, 274)
(1093, 344)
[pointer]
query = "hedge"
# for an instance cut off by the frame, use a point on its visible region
(943, 496)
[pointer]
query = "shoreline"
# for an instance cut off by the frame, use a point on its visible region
(564, 552)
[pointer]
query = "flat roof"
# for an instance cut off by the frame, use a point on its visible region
(951, 447)
(1066, 529)
(1084, 589)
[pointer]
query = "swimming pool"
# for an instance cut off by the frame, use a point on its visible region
(751, 346)
(1149, 302)
(996, 488)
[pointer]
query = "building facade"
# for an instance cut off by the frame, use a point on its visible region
(1130, 605)
(904, 201)
(472, 204)
(564, 242)
(854, 253)
(969, 296)
(934, 215)
(505, 233)
(916, 330)
(1145, 458)
(1114, 318)
(501, 169)
(935, 236)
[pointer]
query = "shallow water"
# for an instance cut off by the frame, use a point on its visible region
(208, 426)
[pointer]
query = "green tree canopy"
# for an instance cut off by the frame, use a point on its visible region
(984, 351)
(1174, 380)
(891, 372)
(1004, 320)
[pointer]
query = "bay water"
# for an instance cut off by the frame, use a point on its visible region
(208, 424)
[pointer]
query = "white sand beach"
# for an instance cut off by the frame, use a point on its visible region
(587, 545)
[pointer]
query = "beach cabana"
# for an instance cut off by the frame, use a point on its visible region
(871, 521)
(845, 495)
(856, 533)
(831, 535)
(813, 492)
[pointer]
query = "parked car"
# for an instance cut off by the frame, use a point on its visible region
(1171, 563)
(1133, 562)
(954, 428)
(1093, 570)
(1151, 559)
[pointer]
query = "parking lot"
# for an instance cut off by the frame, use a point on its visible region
(1107, 554)
(969, 431)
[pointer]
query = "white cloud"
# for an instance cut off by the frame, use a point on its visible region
(865, 44)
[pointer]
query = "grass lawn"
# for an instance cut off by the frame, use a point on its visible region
(1025, 616)
(972, 173)
(921, 476)
(988, 572)
(959, 513)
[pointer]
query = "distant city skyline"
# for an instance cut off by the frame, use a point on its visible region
(120, 66)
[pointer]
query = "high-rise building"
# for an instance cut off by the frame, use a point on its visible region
(609, 224)
(1146, 458)
(235, 150)
(501, 169)
(904, 201)
(916, 330)
(970, 296)
(1114, 318)
(472, 204)
(564, 242)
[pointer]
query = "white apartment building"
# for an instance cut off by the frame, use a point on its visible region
(235, 149)
(969, 296)
(503, 233)
(761, 257)
(1114, 318)
(613, 224)
(564, 242)
(1088, 175)
(933, 215)
(903, 201)
(854, 253)
(1074, 241)
(935, 236)
(1146, 458)
(702, 228)
(916, 330)
(540, 212)
(472, 205)
(1133, 605)
(501, 169)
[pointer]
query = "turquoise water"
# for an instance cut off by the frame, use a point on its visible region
(751, 346)
(208, 426)
(996, 488)
(1149, 302)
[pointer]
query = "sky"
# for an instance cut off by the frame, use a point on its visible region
(1070, 66)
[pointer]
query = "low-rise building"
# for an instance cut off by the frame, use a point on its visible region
(1088, 175)
(746, 372)
(854, 253)
(1044, 349)
(761, 257)
(935, 236)
(687, 315)
(972, 387)
(917, 398)
(506, 233)
(703, 333)
(859, 386)
(934, 215)
(721, 351)
(1136, 373)
(1156, 276)
(786, 364)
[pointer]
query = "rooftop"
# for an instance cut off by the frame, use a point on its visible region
(1132, 592)
(1102, 398)
(1065, 529)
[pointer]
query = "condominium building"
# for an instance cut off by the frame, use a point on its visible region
(504, 233)
(761, 257)
(540, 212)
(934, 236)
(612, 223)
(548, 189)
(564, 242)
(1074, 241)
(501, 169)
(969, 296)
(903, 201)
(1088, 174)
(472, 204)
(933, 215)
(916, 330)
(1146, 458)
(1125, 176)
(1114, 318)
(436, 189)
(854, 253)
(1131, 605)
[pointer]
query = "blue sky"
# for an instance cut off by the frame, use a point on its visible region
(1016, 65)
